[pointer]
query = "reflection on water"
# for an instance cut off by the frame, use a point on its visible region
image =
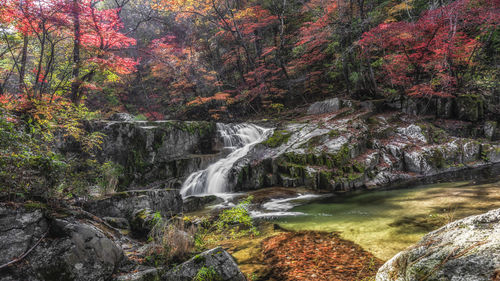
(387, 221)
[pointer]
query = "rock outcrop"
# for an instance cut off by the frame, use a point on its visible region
(216, 263)
(160, 153)
(356, 146)
(465, 250)
(71, 249)
(137, 209)
(167, 202)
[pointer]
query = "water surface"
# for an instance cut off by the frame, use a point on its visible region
(385, 222)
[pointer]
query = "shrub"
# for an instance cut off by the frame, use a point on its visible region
(171, 241)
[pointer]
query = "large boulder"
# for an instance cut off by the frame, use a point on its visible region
(19, 230)
(167, 202)
(465, 250)
(73, 249)
(216, 263)
(326, 106)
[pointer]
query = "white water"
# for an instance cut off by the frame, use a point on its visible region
(238, 139)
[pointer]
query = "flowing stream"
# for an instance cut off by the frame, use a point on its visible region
(238, 139)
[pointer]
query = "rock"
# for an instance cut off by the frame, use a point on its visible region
(73, 250)
(19, 230)
(143, 221)
(325, 106)
(490, 129)
(465, 250)
(122, 117)
(121, 223)
(151, 274)
(217, 261)
(167, 202)
(470, 107)
(196, 203)
(150, 152)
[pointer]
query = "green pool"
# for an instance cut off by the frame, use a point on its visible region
(387, 221)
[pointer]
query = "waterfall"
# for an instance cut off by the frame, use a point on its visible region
(238, 139)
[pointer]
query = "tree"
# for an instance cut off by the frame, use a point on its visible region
(432, 56)
(46, 29)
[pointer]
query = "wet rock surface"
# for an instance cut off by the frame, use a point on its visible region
(356, 147)
(217, 261)
(467, 249)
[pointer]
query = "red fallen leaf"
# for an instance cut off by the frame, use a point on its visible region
(318, 256)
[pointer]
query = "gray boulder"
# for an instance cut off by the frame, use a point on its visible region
(325, 106)
(122, 117)
(465, 250)
(73, 249)
(20, 229)
(216, 262)
(167, 202)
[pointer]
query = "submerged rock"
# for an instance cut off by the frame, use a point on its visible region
(465, 250)
(216, 263)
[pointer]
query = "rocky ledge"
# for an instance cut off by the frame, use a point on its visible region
(465, 250)
(345, 145)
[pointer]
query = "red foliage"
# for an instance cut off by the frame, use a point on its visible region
(318, 256)
(428, 57)
(43, 20)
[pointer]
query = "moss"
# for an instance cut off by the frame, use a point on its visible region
(470, 106)
(207, 274)
(333, 133)
(342, 157)
(199, 259)
(35, 206)
(437, 159)
(278, 138)
(295, 158)
(358, 167)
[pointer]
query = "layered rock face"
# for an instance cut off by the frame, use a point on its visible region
(157, 152)
(136, 209)
(468, 250)
(348, 146)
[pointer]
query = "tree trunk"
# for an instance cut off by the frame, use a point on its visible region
(22, 70)
(75, 85)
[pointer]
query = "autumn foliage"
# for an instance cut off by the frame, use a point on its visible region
(39, 38)
(318, 256)
(431, 56)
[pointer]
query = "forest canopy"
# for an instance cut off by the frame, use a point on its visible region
(223, 58)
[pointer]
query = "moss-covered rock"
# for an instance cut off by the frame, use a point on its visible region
(278, 138)
(470, 107)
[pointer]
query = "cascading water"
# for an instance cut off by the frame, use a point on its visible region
(238, 139)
